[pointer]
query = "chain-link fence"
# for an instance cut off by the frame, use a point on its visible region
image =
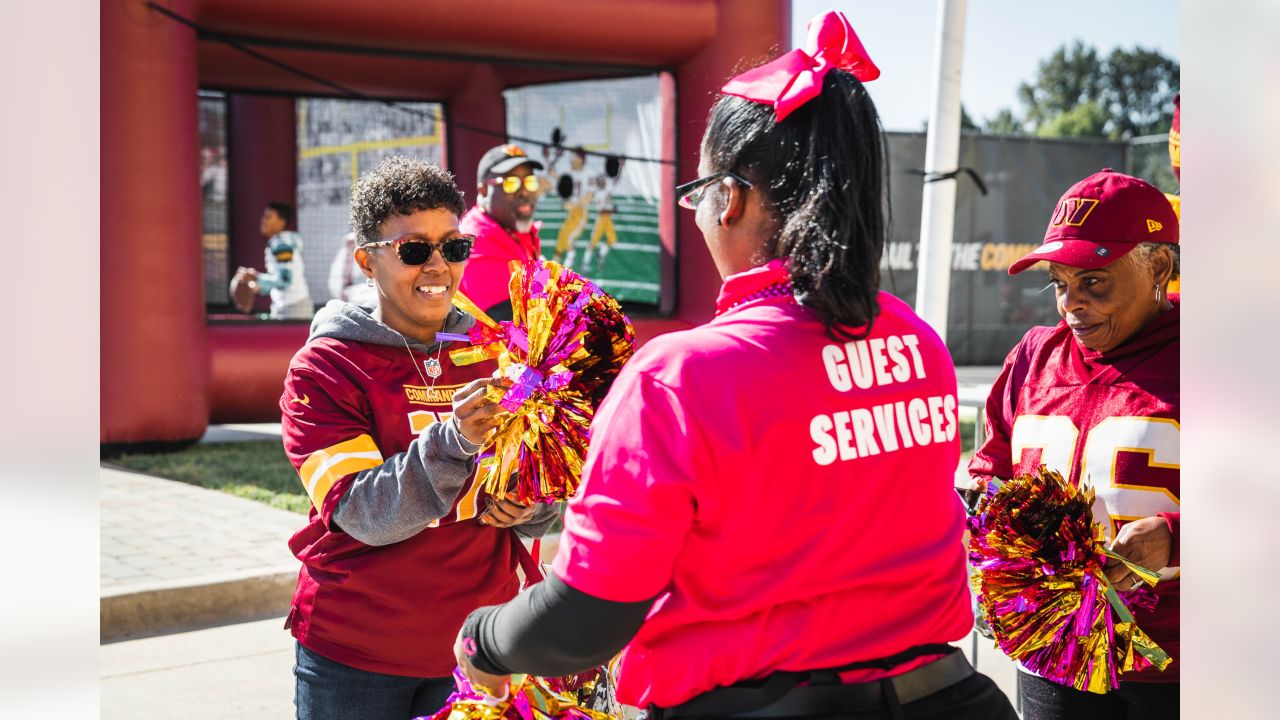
(1147, 157)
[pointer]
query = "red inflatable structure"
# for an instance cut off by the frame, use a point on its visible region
(167, 370)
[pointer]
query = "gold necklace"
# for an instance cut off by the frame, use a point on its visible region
(431, 364)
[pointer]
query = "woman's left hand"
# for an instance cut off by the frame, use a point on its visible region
(496, 686)
(1146, 542)
(506, 513)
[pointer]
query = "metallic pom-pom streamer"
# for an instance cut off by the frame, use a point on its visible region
(1038, 557)
(566, 342)
(530, 698)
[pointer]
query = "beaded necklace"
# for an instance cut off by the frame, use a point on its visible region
(777, 290)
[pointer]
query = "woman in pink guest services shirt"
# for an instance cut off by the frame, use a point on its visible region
(767, 521)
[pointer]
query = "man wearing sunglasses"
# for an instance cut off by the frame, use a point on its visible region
(507, 191)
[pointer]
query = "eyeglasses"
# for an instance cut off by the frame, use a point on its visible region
(690, 194)
(413, 250)
(511, 184)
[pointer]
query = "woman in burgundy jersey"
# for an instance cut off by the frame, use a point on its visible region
(1096, 398)
(384, 429)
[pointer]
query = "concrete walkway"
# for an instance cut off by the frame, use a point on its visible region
(177, 556)
(242, 671)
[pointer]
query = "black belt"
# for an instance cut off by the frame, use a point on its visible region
(779, 696)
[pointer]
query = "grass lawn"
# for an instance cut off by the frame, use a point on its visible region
(259, 471)
(256, 470)
(966, 436)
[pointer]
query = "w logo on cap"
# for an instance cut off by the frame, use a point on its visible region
(1072, 211)
(1153, 226)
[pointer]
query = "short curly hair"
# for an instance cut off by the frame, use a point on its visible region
(400, 186)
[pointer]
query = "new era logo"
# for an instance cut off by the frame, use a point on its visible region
(1153, 226)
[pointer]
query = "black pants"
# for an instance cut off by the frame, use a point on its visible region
(1046, 700)
(974, 698)
(970, 699)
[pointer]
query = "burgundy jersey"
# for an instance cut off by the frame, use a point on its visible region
(1107, 419)
(347, 407)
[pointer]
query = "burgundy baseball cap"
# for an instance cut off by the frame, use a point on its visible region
(1100, 219)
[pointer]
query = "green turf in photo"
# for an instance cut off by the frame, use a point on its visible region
(631, 271)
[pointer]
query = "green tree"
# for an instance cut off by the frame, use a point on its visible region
(1070, 76)
(1079, 93)
(1087, 119)
(1137, 92)
(1004, 123)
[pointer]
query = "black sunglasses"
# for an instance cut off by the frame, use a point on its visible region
(413, 250)
(690, 194)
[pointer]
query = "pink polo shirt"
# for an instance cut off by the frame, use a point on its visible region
(787, 497)
(488, 272)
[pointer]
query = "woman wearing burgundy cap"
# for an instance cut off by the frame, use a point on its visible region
(1096, 398)
(766, 521)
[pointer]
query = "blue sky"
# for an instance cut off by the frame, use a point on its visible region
(1005, 40)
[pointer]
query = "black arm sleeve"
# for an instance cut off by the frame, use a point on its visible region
(551, 630)
(501, 311)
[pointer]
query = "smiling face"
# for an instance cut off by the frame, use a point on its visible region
(414, 300)
(512, 211)
(1107, 306)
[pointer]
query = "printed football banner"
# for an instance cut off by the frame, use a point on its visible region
(599, 213)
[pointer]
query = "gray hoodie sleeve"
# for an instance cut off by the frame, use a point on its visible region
(543, 517)
(408, 491)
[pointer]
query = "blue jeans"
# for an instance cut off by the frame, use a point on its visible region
(325, 689)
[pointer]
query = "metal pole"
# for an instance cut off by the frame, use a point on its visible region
(942, 152)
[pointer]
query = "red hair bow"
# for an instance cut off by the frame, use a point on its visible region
(796, 77)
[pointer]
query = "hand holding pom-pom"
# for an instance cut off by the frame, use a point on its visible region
(557, 358)
(1144, 542)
